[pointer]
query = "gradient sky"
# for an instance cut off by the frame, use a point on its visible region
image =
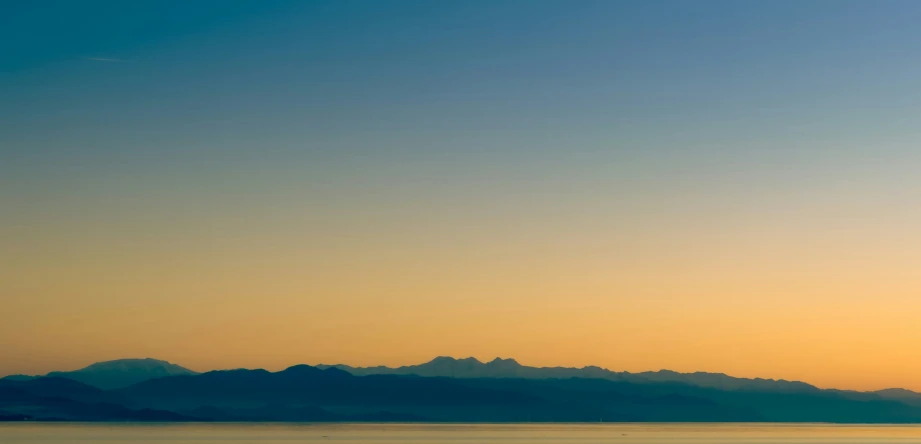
(730, 186)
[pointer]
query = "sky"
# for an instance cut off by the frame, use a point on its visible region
(725, 186)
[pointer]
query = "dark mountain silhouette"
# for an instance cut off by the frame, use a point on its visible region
(452, 390)
(117, 374)
(65, 399)
(311, 393)
(50, 387)
(311, 386)
(509, 368)
(899, 394)
(18, 378)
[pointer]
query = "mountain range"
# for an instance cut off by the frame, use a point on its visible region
(444, 389)
(444, 366)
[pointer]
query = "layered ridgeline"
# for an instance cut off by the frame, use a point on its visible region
(451, 390)
(509, 368)
(116, 374)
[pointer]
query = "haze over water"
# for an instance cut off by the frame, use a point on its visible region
(456, 433)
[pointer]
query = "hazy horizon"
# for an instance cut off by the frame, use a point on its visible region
(482, 360)
(718, 186)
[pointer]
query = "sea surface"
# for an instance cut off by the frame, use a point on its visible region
(60, 433)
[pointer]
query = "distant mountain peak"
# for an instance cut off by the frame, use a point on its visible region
(129, 363)
(507, 363)
(19, 377)
(900, 394)
(120, 373)
(300, 368)
(453, 360)
(898, 390)
(304, 369)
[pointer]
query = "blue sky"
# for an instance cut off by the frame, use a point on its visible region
(455, 93)
(667, 75)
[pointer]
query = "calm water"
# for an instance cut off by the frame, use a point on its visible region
(21, 433)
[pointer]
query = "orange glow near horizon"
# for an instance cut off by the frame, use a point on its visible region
(750, 298)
